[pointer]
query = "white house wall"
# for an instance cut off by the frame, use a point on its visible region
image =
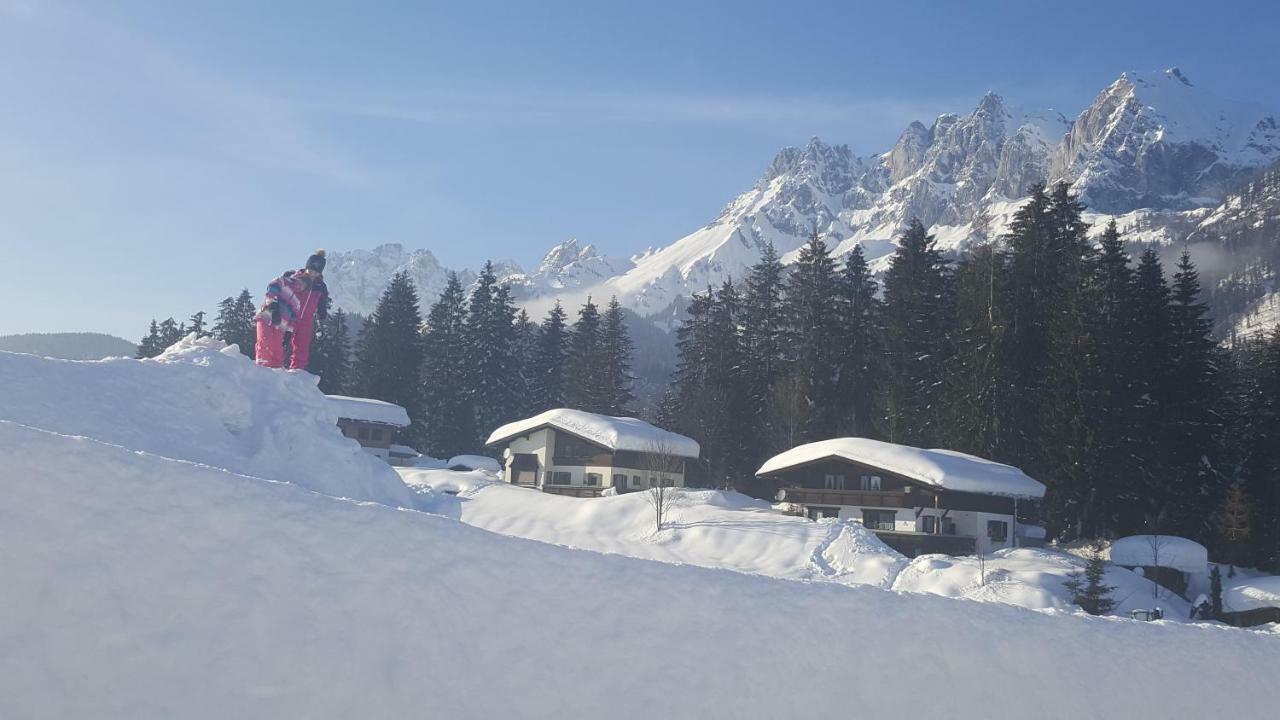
(535, 443)
(968, 523)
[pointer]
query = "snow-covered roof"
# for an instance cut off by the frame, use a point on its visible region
(1168, 551)
(403, 450)
(946, 469)
(369, 410)
(615, 433)
(1252, 594)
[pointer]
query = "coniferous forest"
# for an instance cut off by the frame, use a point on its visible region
(1092, 370)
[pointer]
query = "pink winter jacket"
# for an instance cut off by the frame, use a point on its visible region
(299, 296)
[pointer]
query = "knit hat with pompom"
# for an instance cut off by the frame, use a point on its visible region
(316, 262)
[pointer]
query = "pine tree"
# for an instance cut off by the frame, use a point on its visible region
(389, 359)
(1153, 350)
(586, 382)
(197, 325)
(812, 333)
(150, 345)
(1260, 468)
(1215, 592)
(859, 348)
(763, 347)
(331, 355)
(975, 387)
(1088, 591)
(170, 332)
(548, 362)
(450, 417)
(916, 295)
(493, 370)
(1191, 409)
(617, 348)
(526, 352)
(235, 322)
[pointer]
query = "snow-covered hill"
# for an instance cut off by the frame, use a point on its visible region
(174, 542)
(1150, 151)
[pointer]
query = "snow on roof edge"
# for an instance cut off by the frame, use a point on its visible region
(368, 410)
(947, 469)
(615, 433)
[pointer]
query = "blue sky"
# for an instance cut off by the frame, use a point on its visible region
(155, 157)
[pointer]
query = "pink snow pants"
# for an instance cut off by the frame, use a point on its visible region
(269, 351)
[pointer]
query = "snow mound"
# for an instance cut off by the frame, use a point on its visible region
(204, 402)
(475, 462)
(1161, 550)
(946, 469)
(138, 586)
(1031, 578)
(615, 433)
(1254, 594)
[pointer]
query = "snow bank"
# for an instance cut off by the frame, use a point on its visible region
(1253, 594)
(1163, 550)
(369, 410)
(943, 468)
(615, 433)
(1031, 578)
(475, 462)
(137, 586)
(204, 402)
(708, 528)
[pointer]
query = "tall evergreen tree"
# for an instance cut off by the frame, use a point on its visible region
(812, 337)
(526, 352)
(617, 349)
(389, 359)
(331, 355)
(975, 391)
(1153, 351)
(548, 363)
(1191, 410)
(763, 346)
(859, 350)
(916, 295)
(493, 370)
(586, 385)
(170, 332)
(450, 417)
(1260, 469)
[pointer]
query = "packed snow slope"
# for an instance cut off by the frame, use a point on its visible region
(728, 530)
(143, 587)
(204, 402)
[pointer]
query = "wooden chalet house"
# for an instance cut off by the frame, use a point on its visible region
(572, 452)
(916, 501)
(373, 424)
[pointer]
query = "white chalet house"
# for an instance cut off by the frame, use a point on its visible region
(572, 452)
(373, 424)
(917, 501)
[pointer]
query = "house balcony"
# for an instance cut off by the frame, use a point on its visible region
(859, 498)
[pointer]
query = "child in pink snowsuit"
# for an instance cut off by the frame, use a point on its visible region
(292, 303)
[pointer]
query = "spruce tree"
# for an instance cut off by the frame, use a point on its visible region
(548, 362)
(812, 336)
(389, 359)
(197, 325)
(526, 352)
(859, 349)
(916, 297)
(1215, 592)
(617, 349)
(975, 390)
(450, 417)
(493, 370)
(235, 322)
(1191, 409)
(150, 346)
(586, 369)
(1088, 590)
(763, 346)
(170, 332)
(331, 354)
(1260, 467)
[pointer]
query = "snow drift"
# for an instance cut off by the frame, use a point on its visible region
(139, 586)
(204, 402)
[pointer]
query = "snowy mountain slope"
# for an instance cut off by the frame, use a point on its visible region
(69, 346)
(1152, 150)
(356, 278)
(137, 586)
(727, 530)
(200, 402)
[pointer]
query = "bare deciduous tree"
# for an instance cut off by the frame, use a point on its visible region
(662, 465)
